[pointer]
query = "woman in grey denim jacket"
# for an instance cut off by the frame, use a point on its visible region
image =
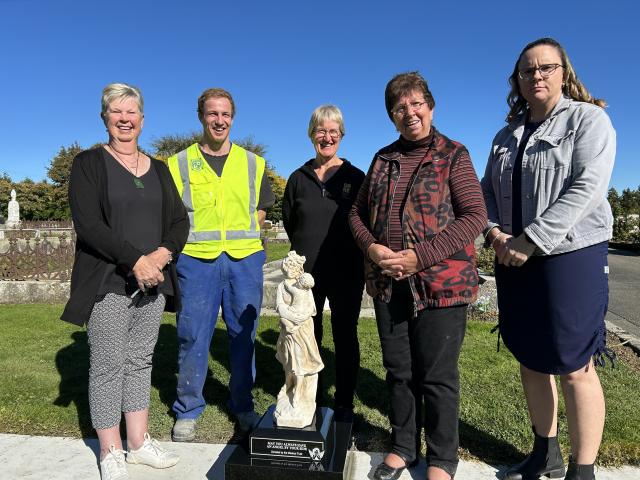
(545, 189)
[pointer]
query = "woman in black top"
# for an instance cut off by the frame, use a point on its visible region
(130, 222)
(317, 200)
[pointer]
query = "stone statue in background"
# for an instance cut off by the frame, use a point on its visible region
(13, 214)
(297, 349)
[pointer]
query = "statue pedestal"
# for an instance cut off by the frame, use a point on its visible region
(316, 452)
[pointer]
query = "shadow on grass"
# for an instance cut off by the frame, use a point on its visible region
(488, 448)
(164, 375)
(269, 372)
(165, 365)
(72, 363)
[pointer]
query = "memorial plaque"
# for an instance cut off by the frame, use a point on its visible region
(316, 452)
(309, 443)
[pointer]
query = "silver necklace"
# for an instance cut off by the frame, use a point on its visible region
(136, 181)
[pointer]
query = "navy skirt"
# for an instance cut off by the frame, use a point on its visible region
(552, 309)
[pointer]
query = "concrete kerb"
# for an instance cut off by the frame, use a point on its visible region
(55, 458)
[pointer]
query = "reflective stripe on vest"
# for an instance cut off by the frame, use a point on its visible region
(251, 161)
(195, 236)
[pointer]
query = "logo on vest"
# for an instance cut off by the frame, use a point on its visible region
(196, 164)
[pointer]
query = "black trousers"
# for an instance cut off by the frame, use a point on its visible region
(345, 297)
(420, 355)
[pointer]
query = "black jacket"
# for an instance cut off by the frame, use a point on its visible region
(315, 218)
(97, 245)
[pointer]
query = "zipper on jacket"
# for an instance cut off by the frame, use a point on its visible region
(404, 244)
(393, 195)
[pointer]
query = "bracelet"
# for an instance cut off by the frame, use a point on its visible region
(170, 257)
(495, 238)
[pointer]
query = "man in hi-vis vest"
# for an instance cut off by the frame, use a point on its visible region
(226, 192)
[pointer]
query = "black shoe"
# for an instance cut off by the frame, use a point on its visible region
(580, 472)
(386, 472)
(544, 460)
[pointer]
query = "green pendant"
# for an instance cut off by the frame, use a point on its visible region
(137, 182)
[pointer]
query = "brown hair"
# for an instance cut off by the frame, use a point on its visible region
(571, 86)
(403, 84)
(215, 93)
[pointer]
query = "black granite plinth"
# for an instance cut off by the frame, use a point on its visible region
(317, 452)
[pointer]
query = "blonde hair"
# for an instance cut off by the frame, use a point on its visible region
(325, 113)
(571, 86)
(120, 91)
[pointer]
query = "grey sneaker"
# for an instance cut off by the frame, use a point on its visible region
(112, 466)
(184, 430)
(247, 421)
(152, 454)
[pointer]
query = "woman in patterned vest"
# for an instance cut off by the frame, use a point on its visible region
(416, 217)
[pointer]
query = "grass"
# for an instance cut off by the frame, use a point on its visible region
(277, 250)
(43, 388)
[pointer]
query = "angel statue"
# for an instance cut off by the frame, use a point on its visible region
(297, 349)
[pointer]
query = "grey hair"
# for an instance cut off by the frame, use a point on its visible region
(120, 91)
(325, 113)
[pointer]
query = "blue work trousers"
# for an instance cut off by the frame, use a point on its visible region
(205, 285)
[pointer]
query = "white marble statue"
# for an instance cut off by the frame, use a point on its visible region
(297, 349)
(13, 214)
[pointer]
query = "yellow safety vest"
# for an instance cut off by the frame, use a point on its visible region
(223, 214)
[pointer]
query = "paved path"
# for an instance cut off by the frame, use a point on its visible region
(24, 457)
(624, 290)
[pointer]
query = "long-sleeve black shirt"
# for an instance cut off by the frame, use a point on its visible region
(315, 216)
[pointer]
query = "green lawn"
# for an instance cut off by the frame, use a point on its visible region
(43, 388)
(277, 250)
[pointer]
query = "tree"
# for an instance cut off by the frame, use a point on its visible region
(277, 185)
(630, 201)
(168, 145)
(35, 200)
(59, 171)
(625, 209)
(60, 167)
(5, 194)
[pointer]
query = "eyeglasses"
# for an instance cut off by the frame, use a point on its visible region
(401, 110)
(545, 71)
(321, 132)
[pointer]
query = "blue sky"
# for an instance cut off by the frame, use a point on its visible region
(281, 59)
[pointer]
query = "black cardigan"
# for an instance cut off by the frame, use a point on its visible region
(98, 245)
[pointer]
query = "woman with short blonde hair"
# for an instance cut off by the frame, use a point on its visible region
(316, 202)
(130, 222)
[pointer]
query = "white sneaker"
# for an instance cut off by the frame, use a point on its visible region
(152, 454)
(112, 466)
